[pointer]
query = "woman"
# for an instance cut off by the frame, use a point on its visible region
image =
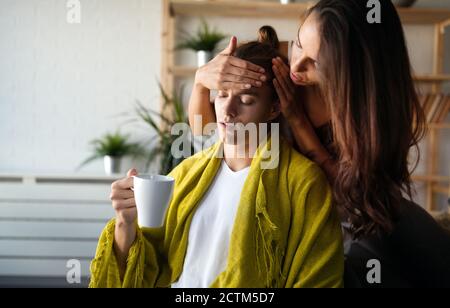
(232, 222)
(353, 79)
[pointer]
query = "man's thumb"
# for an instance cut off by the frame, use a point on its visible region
(231, 46)
(131, 172)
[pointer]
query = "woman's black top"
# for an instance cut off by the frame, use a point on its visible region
(415, 254)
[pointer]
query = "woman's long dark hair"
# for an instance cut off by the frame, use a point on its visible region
(375, 111)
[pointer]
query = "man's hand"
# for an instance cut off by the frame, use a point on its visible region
(123, 201)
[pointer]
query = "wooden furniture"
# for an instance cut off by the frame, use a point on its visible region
(439, 18)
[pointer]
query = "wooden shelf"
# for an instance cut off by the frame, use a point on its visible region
(432, 78)
(257, 9)
(435, 126)
(431, 178)
(238, 9)
(424, 15)
(441, 190)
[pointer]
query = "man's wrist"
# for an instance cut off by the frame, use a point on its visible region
(124, 225)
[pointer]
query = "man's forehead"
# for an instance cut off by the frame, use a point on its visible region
(252, 91)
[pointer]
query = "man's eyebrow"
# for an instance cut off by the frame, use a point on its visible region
(251, 92)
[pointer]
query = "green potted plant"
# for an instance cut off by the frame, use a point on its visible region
(173, 112)
(112, 148)
(204, 42)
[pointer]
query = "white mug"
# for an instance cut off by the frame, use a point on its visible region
(152, 194)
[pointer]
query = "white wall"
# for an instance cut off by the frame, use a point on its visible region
(61, 85)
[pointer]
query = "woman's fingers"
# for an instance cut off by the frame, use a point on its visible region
(234, 70)
(283, 67)
(241, 79)
(246, 65)
(283, 83)
(228, 85)
(231, 47)
(282, 71)
(280, 91)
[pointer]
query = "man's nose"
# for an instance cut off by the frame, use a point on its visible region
(230, 106)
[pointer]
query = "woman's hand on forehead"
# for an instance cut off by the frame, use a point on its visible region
(226, 72)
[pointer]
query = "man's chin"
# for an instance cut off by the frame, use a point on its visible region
(232, 142)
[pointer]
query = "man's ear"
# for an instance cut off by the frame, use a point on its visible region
(275, 110)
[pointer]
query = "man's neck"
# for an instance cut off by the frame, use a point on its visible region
(236, 158)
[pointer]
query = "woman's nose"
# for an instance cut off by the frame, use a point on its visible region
(298, 64)
(299, 69)
(298, 60)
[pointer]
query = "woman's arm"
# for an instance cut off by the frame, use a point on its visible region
(311, 147)
(301, 126)
(224, 72)
(200, 105)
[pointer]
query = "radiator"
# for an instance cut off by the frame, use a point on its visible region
(46, 221)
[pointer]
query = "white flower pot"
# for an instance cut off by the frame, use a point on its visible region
(112, 165)
(203, 57)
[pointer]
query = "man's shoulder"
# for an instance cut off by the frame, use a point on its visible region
(301, 168)
(190, 162)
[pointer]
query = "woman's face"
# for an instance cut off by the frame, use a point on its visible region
(254, 105)
(305, 52)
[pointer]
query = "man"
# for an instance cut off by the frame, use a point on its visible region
(236, 221)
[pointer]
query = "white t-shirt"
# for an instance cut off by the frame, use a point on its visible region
(211, 228)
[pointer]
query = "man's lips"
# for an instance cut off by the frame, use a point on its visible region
(225, 124)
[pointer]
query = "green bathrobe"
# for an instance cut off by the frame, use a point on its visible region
(286, 233)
